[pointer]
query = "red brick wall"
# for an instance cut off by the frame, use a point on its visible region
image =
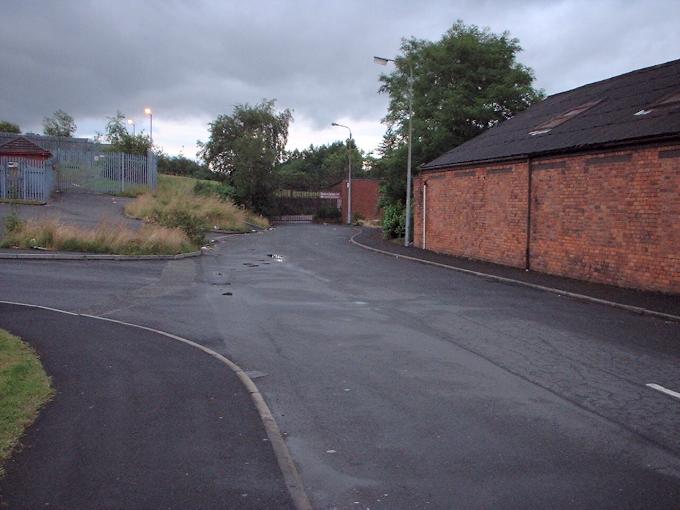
(608, 217)
(475, 212)
(365, 197)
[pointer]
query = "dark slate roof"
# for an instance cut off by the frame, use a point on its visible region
(22, 146)
(610, 122)
(55, 143)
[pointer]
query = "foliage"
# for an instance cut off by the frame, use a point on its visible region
(208, 188)
(180, 165)
(244, 147)
(317, 168)
(174, 204)
(60, 124)
(463, 84)
(12, 222)
(24, 388)
(328, 215)
(9, 127)
(357, 218)
(394, 220)
(117, 135)
(105, 238)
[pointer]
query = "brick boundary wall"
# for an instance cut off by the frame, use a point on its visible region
(365, 198)
(610, 217)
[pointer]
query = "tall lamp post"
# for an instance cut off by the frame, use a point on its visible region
(147, 111)
(383, 62)
(131, 122)
(349, 172)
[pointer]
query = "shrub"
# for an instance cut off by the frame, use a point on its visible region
(177, 204)
(357, 218)
(394, 221)
(12, 222)
(208, 188)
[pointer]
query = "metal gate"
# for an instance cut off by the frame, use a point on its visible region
(26, 179)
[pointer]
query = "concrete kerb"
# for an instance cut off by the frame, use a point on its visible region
(94, 256)
(560, 292)
(291, 476)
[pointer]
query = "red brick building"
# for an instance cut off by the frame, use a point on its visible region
(365, 197)
(585, 184)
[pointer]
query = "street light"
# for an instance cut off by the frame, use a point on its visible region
(147, 111)
(349, 173)
(131, 122)
(383, 62)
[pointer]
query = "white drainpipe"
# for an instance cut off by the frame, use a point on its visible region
(424, 211)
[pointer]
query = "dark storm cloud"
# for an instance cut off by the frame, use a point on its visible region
(198, 59)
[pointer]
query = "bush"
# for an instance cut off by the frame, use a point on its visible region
(328, 215)
(357, 218)
(176, 204)
(394, 221)
(12, 222)
(208, 188)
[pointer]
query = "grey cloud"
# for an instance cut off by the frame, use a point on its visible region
(191, 59)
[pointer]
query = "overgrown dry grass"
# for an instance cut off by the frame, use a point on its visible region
(24, 388)
(174, 204)
(105, 238)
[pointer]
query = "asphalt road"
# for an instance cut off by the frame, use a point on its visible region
(406, 386)
(139, 421)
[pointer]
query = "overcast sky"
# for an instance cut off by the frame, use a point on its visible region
(190, 61)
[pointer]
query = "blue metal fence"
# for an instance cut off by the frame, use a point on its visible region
(26, 179)
(72, 170)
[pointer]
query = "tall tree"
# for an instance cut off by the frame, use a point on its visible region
(60, 124)
(117, 135)
(9, 127)
(245, 146)
(463, 84)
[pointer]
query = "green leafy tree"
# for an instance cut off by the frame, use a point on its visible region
(318, 167)
(463, 84)
(181, 165)
(117, 135)
(9, 127)
(244, 147)
(60, 124)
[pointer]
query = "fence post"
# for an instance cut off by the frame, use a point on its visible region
(122, 172)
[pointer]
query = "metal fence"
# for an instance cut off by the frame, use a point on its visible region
(26, 179)
(105, 172)
(71, 170)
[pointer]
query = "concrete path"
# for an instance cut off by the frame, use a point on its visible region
(139, 421)
(405, 386)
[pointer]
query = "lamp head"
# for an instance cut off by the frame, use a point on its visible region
(381, 61)
(147, 111)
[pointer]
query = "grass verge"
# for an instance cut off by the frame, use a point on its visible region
(24, 388)
(114, 238)
(175, 204)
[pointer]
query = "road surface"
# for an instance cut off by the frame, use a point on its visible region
(400, 385)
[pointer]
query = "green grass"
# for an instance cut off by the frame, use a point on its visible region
(24, 388)
(175, 204)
